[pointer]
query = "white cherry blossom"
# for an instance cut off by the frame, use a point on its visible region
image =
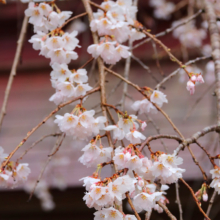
(158, 98)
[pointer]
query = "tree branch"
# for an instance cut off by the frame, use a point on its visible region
(13, 69)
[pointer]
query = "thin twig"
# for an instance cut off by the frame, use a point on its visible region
(63, 136)
(126, 76)
(195, 199)
(177, 70)
(157, 59)
(149, 119)
(83, 66)
(73, 18)
(13, 69)
(155, 137)
(157, 107)
(197, 135)
(145, 67)
(211, 203)
(167, 31)
(58, 143)
(169, 214)
(198, 100)
(197, 163)
(132, 206)
(35, 143)
(42, 122)
(178, 200)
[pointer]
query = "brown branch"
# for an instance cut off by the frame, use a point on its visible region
(42, 122)
(13, 69)
(73, 18)
(177, 70)
(155, 137)
(85, 64)
(198, 100)
(145, 67)
(211, 203)
(197, 163)
(167, 31)
(197, 135)
(96, 5)
(207, 153)
(150, 120)
(215, 43)
(35, 143)
(58, 147)
(58, 143)
(195, 199)
(166, 49)
(132, 206)
(112, 106)
(178, 200)
(170, 215)
(157, 58)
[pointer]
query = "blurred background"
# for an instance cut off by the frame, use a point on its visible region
(29, 104)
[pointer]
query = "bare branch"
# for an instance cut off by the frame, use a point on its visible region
(170, 215)
(167, 31)
(42, 122)
(14, 68)
(35, 143)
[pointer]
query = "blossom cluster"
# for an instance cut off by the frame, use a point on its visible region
(127, 127)
(43, 17)
(164, 167)
(80, 126)
(94, 154)
(194, 79)
(13, 175)
(162, 8)
(52, 42)
(189, 35)
(69, 84)
(114, 27)
(145, 106)
(110, 191)
(216, 179)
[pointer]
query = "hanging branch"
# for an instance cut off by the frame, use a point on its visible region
(177, 70)
(170, 215)
(211, 203)
(195, 199)
(35, 143)
(42, 122)
(14, 68)
(167, 31)
(57, 145)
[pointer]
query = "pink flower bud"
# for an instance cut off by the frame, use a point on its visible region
(200, 79)
(193, 78)
(140, 182)
(205, 197)
(190, 86)
(143, 125)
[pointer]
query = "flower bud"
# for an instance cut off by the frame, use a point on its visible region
(205, 197)
(200, 79)
(143, 125)
(193, 78)
(190, 86)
